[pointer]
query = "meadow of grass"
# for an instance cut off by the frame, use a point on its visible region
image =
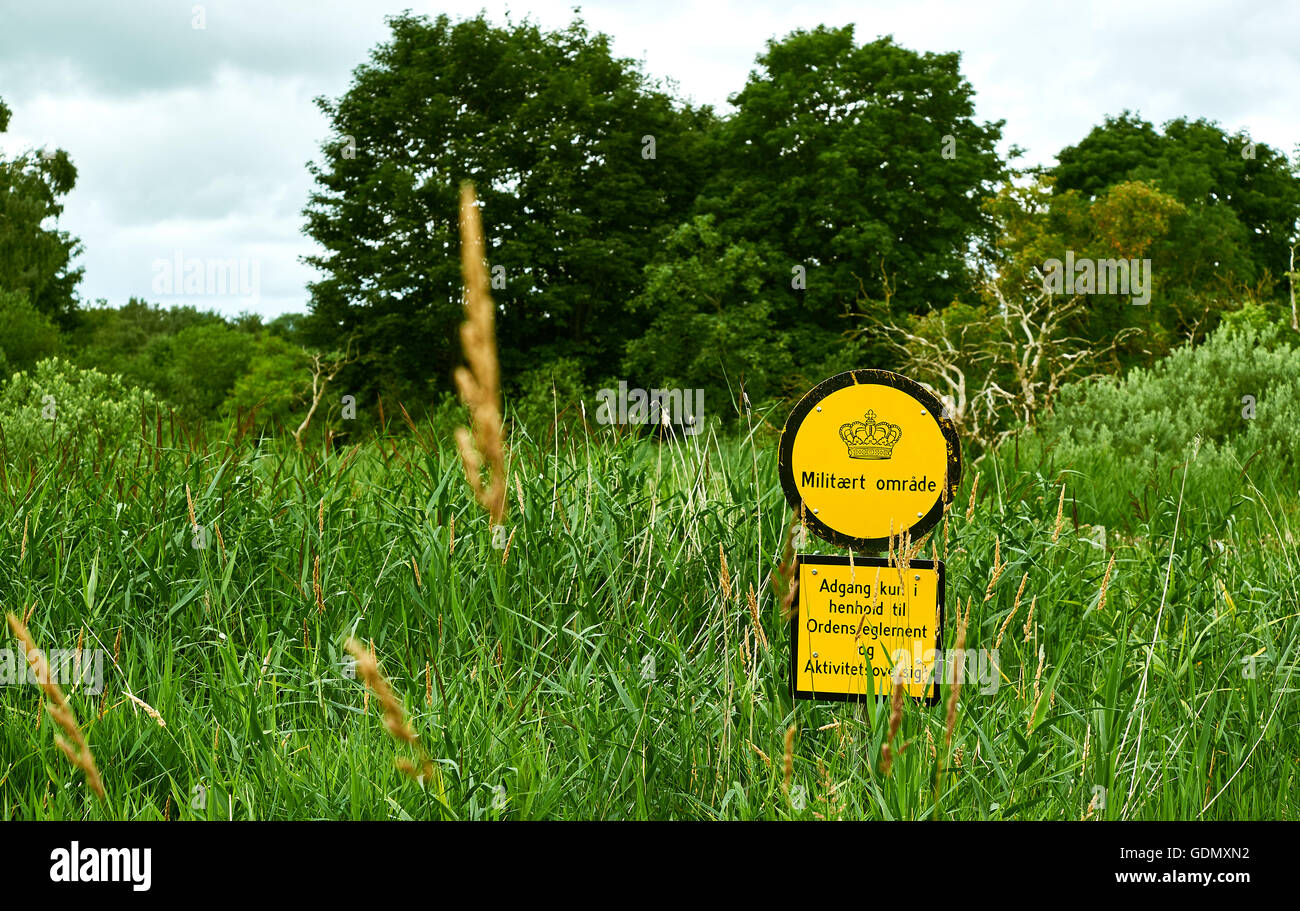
(601, 665)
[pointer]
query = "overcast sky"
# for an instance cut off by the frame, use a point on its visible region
(193, 142)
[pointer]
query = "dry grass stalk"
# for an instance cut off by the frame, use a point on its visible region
(1105, 583)
(724, 576)
(912, 552)
(829, 795)
(1038, 677)
(320, 517)
(895, 721)
(954, 686)
(1014, 608)
(81, 638)
(415, 566)
(315, 585)
(189, 502)
(78, 751)
(148, 710)
(479, 385)
(970, 507)
(394, 713)
(451, 535)
(784, 584)
(1092, 807)
(789, 759)
(998, 567)
(752, 598)
(505, 554)
(1060, 515)
(904, 555)
(266, 663)
(875, 596)
(1029, 621)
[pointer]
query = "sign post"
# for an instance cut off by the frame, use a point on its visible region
(866, 458)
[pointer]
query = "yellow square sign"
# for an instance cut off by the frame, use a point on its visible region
(856, 622)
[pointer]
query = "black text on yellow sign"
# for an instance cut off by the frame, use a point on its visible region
(859, 624)
(868, 455)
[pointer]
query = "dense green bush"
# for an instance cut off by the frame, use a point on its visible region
(1135, 431)
(59, 403)
(553, 392)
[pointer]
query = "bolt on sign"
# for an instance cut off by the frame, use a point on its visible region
(865, 457)
(861, 625)
(868, 455)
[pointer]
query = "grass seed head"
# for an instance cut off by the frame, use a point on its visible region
(723, 576)
(1029, 621)
(788, 765)
(479, 385)
(1060, 514)
(1014, 608)
(895, 721)
(1105, 583)
(394, 714)
(752, 599)
(78, 751)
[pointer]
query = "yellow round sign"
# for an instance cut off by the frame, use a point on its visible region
(869, 455)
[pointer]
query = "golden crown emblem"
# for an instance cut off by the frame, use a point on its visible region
(871, 439)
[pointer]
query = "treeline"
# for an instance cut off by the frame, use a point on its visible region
(850, 212)
(202, 365)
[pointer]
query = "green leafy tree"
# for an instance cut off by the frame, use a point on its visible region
(273, 385)
(1241, 199)
(1000, 365)
(581, 165)
(206, 361)
(1128, 220)
(862, 166)
(36, 259)
(26, 334)
(710, 323)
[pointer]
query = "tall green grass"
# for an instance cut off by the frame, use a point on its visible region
(595, 671)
